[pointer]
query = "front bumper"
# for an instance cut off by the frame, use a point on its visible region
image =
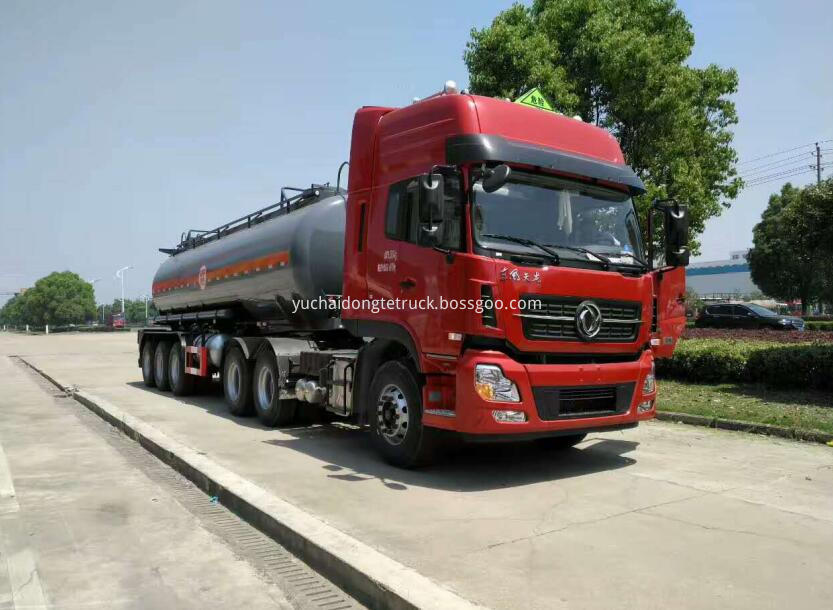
(473, 415)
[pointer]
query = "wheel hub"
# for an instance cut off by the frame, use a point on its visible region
(392, 414)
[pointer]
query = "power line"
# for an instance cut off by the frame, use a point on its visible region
(785, 174)
(772, 164)
(781, 152)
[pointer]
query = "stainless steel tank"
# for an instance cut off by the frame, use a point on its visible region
(263, 268)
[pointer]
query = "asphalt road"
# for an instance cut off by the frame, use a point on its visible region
(663, 516)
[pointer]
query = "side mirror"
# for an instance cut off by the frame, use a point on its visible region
(430, 202)
(496, 178)
(676, 235)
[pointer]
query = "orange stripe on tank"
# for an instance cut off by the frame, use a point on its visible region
(262, 263)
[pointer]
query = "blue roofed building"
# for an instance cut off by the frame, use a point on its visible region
(722, 279)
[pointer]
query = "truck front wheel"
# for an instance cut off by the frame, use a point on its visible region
(271, 409)
(396, 418)
(237, 383)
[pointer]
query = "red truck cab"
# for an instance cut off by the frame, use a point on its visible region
(576, 314)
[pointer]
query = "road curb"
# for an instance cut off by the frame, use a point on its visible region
(371, 577)
(813, 436)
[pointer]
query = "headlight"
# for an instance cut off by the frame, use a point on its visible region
(490, 384)
(784, 322)
(650, 383)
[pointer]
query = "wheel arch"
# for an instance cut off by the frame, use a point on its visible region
(371, 357)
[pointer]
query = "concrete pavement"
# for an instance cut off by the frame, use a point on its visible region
(661, 516)
(81, 527)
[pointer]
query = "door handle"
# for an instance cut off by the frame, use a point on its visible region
(407, 283)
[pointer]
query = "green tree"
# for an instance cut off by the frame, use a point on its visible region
(784, 261)
(812, 220)
(14, 312)
(59, 298)
(620, 64)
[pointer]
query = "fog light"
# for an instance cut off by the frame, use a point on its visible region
(490, 384)
(645, 406)
(650, 383)
(509, 417)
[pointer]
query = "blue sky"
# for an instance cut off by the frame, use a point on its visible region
(123, 124)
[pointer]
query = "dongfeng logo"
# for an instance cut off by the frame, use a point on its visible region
(588, 319)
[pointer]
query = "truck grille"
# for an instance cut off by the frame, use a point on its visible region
(557, 321)
(568, 402)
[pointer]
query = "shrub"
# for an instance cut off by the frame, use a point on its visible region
(793, 366)
(800, 365)
(764, 334)
(826, 326)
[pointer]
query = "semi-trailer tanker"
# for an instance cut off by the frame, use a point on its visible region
(482, 276)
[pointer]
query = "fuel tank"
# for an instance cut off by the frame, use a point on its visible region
(261, 266)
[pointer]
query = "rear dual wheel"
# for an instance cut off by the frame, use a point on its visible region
(147, 364)
(181, 383)
(161, 373)
(271, 409)
(237, 382)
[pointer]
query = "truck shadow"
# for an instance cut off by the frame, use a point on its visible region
(347, 454)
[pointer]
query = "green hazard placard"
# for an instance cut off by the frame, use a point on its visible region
(536, 99)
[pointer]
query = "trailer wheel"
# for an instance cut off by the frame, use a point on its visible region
(147, 364)
(558, 443)
(396, 418)
(182, 384)
(237, 383)
(270, 408)
(160, 365)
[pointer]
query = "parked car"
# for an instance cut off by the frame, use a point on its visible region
(746, 315)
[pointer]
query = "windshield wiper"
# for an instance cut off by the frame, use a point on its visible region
(637, 259)
(526, 242)
(605, 260)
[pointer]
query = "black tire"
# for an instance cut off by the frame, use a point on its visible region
(270, 408)
(396, 418)
(559, 443)
(237, 383)
(147, 364)
(160, 365)
(181, 383)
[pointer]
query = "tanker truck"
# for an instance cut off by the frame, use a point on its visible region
(482, 277)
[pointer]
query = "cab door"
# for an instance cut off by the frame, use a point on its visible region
(402, 266)
(669, 292)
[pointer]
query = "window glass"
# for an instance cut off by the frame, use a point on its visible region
(557, 213)
(452, 215)
(402, 215)
(400, 211)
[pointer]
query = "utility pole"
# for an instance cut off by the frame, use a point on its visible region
(818, 164)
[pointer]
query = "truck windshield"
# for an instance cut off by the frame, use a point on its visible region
(555, 213)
